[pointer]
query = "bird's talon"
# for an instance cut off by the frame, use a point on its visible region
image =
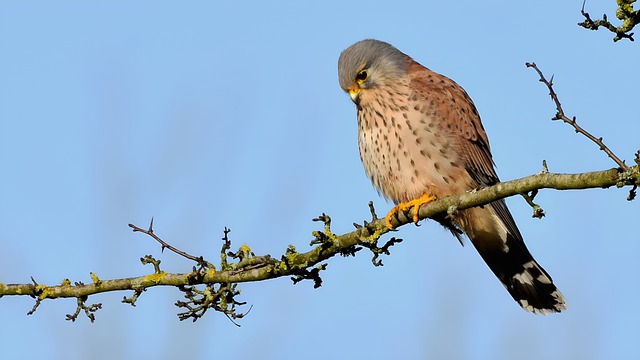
(393, 212)
(404, 206)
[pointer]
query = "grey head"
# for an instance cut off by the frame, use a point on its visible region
(368, 64)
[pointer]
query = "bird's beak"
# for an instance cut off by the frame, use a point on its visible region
(354, 94)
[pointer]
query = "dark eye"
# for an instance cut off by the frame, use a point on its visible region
(362, 76)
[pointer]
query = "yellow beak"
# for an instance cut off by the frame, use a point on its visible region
(354, 94)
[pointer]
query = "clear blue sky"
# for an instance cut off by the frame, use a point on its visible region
(209, 115)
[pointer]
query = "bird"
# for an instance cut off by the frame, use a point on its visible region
(420, 138)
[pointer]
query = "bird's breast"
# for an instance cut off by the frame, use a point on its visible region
(405, 151)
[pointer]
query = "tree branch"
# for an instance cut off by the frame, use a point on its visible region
(560, 115)
(304, 265)
(630, 18)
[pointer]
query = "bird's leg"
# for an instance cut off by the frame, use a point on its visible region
(404, 206)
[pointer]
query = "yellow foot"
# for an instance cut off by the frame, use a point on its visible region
(415, 203)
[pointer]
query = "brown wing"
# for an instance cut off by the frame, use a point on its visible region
(505, 254)
(462, 121)
(452, 104)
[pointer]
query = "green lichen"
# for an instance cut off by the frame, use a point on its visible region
(155, 277)
(291, 254)
(280, 267)
(245, 249)
(288, 259)
(43, 291)
(375, 236)
(95, 279)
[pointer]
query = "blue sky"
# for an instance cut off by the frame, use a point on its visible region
(210, 115)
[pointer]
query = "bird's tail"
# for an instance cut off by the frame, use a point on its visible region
(494, 234)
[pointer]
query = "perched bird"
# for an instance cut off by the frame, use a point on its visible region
(420, 138)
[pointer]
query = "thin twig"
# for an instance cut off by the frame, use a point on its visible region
(150, 232)
(538, 212)
(561, 116)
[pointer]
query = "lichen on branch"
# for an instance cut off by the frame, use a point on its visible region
(625, 12)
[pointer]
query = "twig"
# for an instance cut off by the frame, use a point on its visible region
(624, 12)
(377, 251)
(561, 116)
(88, 310)
(198, 259)
(538, 212)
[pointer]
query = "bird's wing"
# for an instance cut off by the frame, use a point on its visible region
(460, 120)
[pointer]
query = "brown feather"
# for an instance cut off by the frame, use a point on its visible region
(454, 106)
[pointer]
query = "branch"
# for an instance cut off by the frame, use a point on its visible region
(200, 260)
(305, 265)
(625, 12)
(573, 122)
(560, 115)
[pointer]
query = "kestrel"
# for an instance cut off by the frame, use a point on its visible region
(420, 138)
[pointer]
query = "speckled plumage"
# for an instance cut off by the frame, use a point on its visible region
(420, 133)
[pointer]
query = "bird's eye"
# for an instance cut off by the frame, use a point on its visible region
(362, 76)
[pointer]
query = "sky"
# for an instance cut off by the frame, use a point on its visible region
(212, 114)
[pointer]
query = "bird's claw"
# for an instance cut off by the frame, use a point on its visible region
(404, 206)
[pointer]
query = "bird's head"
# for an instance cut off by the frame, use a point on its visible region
(370, 64)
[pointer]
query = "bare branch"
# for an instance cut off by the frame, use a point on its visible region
(560, 115)
(149, 232)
